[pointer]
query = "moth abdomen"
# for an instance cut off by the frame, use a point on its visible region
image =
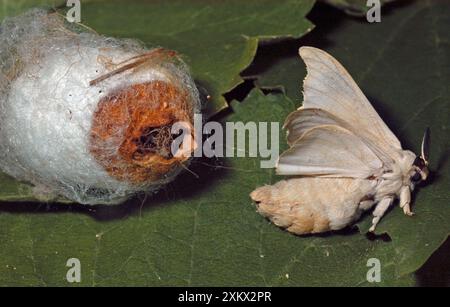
(294, 215)
(312, 205)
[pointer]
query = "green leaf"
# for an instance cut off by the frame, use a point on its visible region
(9, 8)
(197, 232)
(205, 231)
(353, 7)
(401, 65)
(217, 39)
(15, 7)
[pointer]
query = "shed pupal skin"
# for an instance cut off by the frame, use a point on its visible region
(147, 112)
(80, 138)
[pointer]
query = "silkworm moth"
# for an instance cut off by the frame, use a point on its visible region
(89, 117)
(343, 158)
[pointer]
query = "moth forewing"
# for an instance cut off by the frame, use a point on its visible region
(328, 86)
(300, 121)
(329, 150)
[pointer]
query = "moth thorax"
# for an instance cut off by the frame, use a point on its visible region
(131, 130)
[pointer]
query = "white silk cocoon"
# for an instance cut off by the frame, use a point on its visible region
(47, 105)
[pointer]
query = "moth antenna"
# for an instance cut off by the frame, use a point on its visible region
(155, 53)
(426, 146)
(138, 60)
(117, 71)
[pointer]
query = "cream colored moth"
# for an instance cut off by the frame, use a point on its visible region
(343, 158)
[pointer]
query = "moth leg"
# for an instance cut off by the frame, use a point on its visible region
(405, 200)
(379, 211)
(366, 204)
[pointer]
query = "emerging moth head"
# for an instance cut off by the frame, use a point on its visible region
(420, 166)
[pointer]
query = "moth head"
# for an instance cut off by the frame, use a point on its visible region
(420, 170)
